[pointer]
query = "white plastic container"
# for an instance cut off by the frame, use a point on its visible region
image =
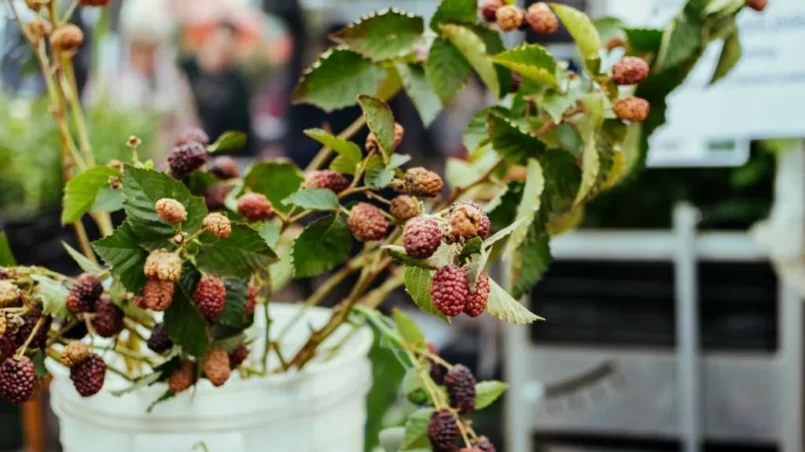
(320, 409)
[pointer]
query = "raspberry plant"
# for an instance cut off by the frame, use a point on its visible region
(177, 282)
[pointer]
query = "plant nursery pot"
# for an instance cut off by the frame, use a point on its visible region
(318, 409)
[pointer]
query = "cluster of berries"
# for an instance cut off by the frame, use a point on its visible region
(443, 430)
(538, 17)
(218, 367)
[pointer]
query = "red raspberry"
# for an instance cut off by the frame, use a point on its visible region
(449, 290)
(216, 367)
(367, 222)
(404, 207)
(17, 380)
(399, 133)
(630, 71)
(460, 384)
(224, 168)
(489, 9)
(40, 339)
(443, 431)
(84, 292)
(483, 444)
(327, 179)
(255, 207)
(100, 3)
(210, 297)
(215, 197)
(158, 295)
(89, 375)
(476, 304)
(422, 237)
(631, 108)
(193, 136)
(541, 19)
(186, 158)
(108, 320)
(183, 377)
(238, 356)
(8, 344)
(159, 341)
(251, 300)
(757, 5)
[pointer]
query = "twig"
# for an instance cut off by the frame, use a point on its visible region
(21, 351)
(463, 431)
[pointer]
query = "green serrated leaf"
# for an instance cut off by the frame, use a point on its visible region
(270, 232)
(276, 180)
(419, 90)
(238, 256)
(409, 331)
(234, 313)
(314, 199)
(510, 141)
(399, 255)
(380, 121)
(417, 284)
(723, 7)
(532, 61)
(474, 50)
(382, 35)
(229, 141)
(344, 148)
(681, 40)
(231, 343)
(473, 246)
(81, 192)
(591, 165)
(123, 254)
(377, 173)
(52, 294)
(142, 189)
(183, 322)
(337, 79)
(643, 40)
(534, 260)
(454, 11)
(343, 165)
(416, 430)
(6, 256)
(583, 31)
(108, 200)
(486, 392)
(529, 203)
(460, 173)
(730, 55)
(476, 135)
(84, 263)
(502, 306)
(503, 233)
(447, 70)
(324, 244)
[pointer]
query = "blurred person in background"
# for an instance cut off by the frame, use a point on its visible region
(149, 76)
(220, 89)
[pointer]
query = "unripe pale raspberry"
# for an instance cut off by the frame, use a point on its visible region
(422, 237)
(218, 225)
(108, 321)
(74, 353)
(9, 294)
(170, 210)
(215, 197)
(193, 136)
(483, 444)
(84, 292)
(509, 17)
(238, 356)
(182, 378)
(17, 380)
(460, 384)
(251, 300)
(399, 134)
(630, 71)
(422, 182)
(159, 341)
(210, 296)
(405, 207)
(367, 222)
(158, 295)
(67, 38)
(327, 179)
(89, 375)
(255, 207)
(38, 29)
(541, 19)
(216, 368)
(449, 290)
(164, 266)
(631, 108)
(615, 42)
(186, 158)
(465, 220)
(477, 301)
(489, 9)
(443, 431)
(224, 168)
(757, 5)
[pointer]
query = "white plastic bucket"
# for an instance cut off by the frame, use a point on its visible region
(320, 409)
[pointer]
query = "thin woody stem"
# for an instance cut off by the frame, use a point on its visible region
(21, 351)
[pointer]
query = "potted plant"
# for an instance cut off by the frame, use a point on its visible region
(171, 339)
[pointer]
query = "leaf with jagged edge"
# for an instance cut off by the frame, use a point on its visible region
(583, 31)
(730, 55)
(474, 50)
(447, 70)
(529, 204)
(419, 90)
(532, 61)
(643, 40)
(487, 392)
(380, 121)
(382, 35)
(455, 11)
(681, 40)
(340, 146)
(511, 142)
(504, 307)
(337, 78)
